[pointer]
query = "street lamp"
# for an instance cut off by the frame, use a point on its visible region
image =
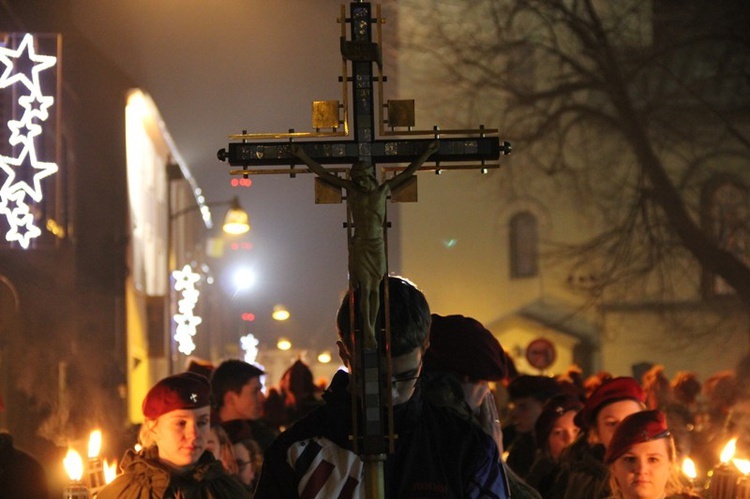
(236, 220)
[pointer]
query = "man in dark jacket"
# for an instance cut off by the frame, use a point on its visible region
(437, 453)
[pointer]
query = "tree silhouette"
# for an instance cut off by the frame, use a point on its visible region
(635, 106)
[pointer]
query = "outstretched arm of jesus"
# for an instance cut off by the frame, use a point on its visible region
(402, 177)
(318, 169)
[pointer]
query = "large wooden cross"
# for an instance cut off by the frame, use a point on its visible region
(364, 149)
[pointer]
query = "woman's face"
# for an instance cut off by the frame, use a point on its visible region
(181, 436)
(246, 471)
(610, 416)
(643, 471)
(564, 431)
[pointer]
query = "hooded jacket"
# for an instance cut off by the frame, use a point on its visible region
(144, 477)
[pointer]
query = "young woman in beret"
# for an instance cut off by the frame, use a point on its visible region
(555, 430)
(583, 472)
(641, 459)
(174, 461)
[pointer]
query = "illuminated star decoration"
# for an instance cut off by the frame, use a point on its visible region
(21, 68)
(186, 322)
(249, 344)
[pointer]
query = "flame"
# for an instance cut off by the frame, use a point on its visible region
(137, 447)
(728, 453)
(95, 443)
(73, 465)
(110, 471)
(688, 468)
(743, 465)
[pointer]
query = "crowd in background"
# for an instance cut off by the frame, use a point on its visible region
(559, 437)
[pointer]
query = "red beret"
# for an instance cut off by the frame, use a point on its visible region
(637, 428)
(186, 390)
(462, 345)
(612, 390)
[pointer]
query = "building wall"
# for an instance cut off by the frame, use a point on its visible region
(454, 242)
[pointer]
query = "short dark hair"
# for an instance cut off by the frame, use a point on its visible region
(409, 314)
(231, 376)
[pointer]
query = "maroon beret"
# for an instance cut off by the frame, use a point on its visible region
(612, 390)
(637, 428)
(551, 412)
(462, 345)
(186, 390)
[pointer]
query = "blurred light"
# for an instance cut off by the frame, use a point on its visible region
(73, 465)
(95, 443)
(110, 471)
(688, 468)
(249, 344)
(236, 220)
(728, 453)
(283, 344)
(243, 278)
(324, 357)
(280, 313)
(245, 246)
(743, 465)
(240, 182)
(248, 316)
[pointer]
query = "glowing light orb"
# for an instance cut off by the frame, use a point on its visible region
(283, 344)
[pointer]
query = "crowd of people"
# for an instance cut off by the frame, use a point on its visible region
(466, 422)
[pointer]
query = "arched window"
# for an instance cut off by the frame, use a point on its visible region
(523, 245)
(727, 218)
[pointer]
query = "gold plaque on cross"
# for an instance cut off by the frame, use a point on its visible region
(325, 114)
(401, 113)
(326, 193)
(406, 192)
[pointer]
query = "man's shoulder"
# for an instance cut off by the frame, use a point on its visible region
(323, 421)
(455, 429)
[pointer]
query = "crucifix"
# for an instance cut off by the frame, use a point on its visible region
(364, 150)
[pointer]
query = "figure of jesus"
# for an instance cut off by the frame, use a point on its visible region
(366, 201)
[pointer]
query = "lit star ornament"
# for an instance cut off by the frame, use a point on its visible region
(21, 173)
(186, 323)
(249, 344)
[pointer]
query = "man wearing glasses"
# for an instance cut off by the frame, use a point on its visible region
(437, 454)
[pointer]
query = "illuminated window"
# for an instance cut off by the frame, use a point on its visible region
(523, 245)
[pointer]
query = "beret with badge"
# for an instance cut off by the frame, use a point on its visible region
(553, 410)
(186, 390)
(635, 429)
